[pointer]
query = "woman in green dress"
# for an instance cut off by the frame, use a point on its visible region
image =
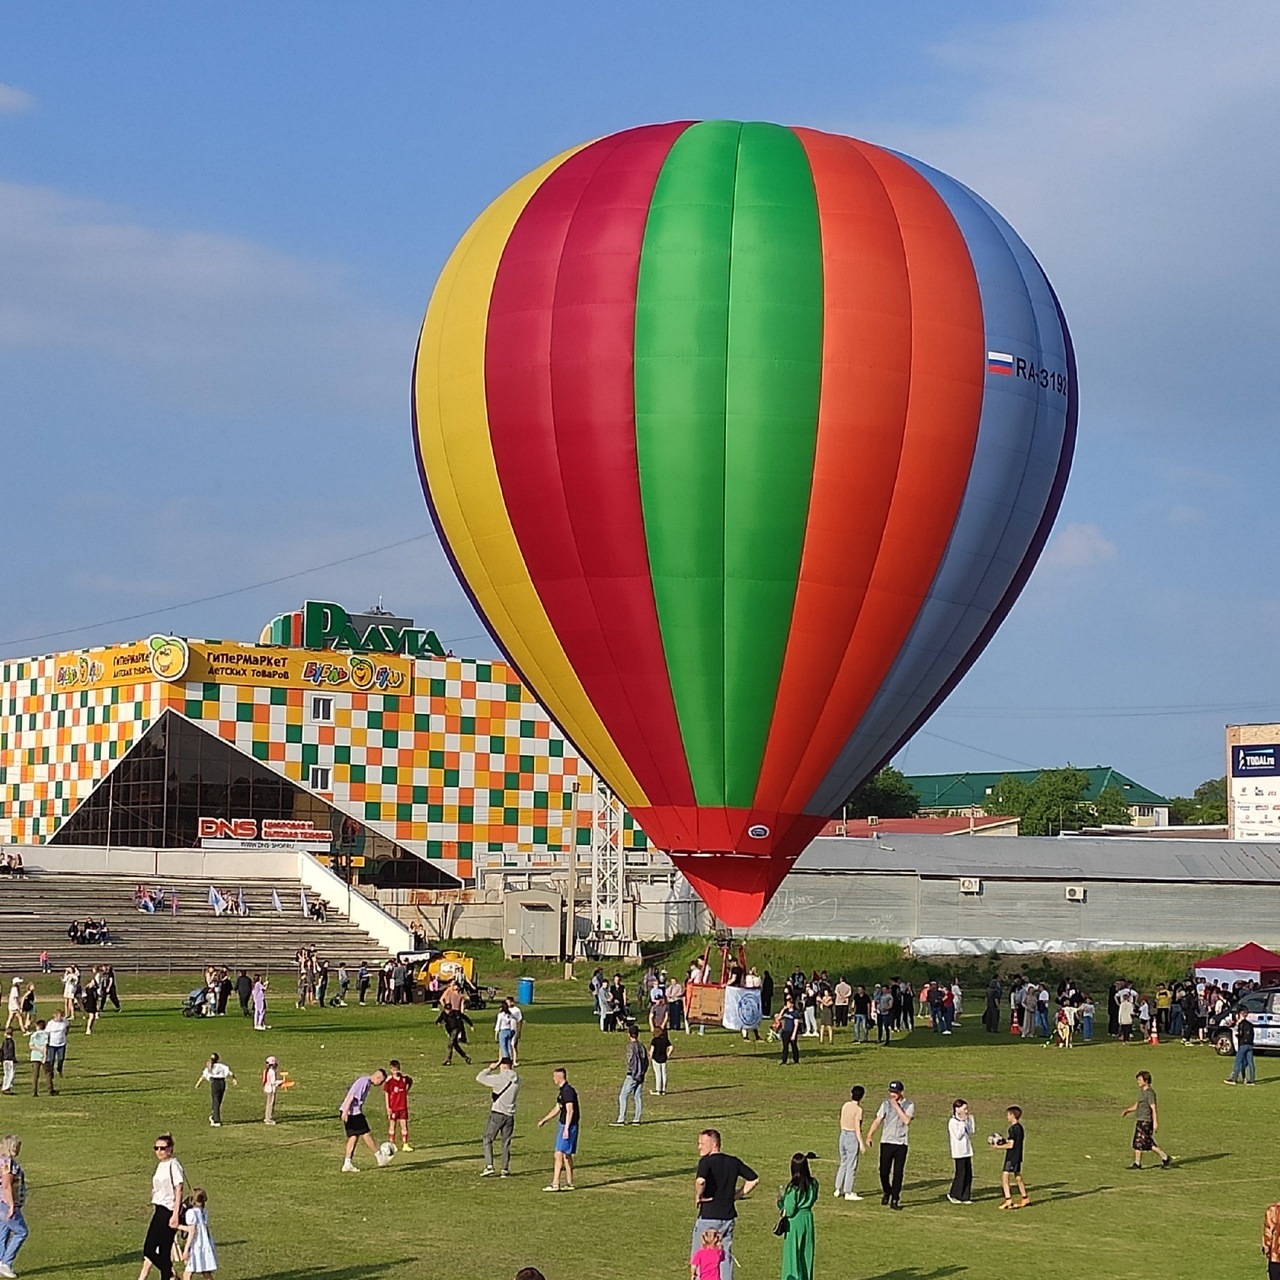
(796, 1204)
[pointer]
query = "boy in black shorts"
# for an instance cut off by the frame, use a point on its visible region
(1012, 1147)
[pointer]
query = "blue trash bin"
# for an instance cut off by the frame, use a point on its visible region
(524, 991)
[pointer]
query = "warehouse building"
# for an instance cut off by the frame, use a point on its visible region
(938, 894)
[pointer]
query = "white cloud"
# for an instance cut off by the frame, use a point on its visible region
(194, 319)
(14, 101)
(1078, 546)
(1133, 147)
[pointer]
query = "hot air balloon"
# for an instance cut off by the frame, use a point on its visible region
(743, 440)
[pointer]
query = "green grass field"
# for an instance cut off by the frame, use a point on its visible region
(281, 1210)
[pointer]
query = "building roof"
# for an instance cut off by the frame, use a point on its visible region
(936, 826)
(1250, 956)
(956, 790)
(1071, 858)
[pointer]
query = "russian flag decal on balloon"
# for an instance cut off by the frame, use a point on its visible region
(702, 417)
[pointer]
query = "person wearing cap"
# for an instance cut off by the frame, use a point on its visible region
(270, 1087)
(895, 1115)
(15, 1005)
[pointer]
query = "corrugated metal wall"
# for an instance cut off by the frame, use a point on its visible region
(902, 907)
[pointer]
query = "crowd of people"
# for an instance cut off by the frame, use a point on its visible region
(811, 1005)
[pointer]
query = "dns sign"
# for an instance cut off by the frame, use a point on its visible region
(228, 829)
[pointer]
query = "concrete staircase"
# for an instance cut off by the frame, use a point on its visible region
(35, 911)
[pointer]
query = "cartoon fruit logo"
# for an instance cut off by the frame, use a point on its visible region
(362, 673)
(169, 657)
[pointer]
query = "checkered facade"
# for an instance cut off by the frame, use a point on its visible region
(465, 763)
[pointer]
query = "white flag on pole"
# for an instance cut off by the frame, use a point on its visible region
(303, 892)
(217, 901)
(275, 902)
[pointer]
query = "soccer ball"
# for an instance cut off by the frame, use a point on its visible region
(994, 1139)
(387, 1150)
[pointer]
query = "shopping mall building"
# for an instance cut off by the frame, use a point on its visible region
(353, 737)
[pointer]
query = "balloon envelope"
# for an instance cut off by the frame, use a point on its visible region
(743, 440)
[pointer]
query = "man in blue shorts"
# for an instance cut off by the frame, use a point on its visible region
(567, 1115)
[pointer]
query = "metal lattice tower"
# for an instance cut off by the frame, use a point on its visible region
(608, 880)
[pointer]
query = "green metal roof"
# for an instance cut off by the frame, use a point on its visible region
(958, 790)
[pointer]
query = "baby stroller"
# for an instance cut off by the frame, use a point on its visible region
(197, 1003)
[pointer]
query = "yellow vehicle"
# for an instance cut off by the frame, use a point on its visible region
(434, 970)
(449, 965)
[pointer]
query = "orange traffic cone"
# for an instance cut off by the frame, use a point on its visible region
(1014, 1029)
(1155, 1035)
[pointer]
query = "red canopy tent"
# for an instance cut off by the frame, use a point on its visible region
(1250, 963)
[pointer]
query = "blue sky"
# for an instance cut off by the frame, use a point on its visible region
(219, 230)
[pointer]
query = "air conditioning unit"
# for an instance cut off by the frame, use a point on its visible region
(1075, 893)
(872, 820)
(970, 884)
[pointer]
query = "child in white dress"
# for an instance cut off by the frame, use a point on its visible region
(199, 1254)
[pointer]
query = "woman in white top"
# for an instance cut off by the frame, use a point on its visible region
(70, 985)
(960, 1131)
(217, 1073)
(166, 1206)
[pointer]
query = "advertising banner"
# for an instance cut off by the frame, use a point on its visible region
(270, 833)
(156, 658)
(294, 668)
(173, 660)
(1255, 792)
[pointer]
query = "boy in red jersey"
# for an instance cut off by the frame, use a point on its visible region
(396, 1086)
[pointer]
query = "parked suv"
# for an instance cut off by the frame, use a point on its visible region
(1262, 1007)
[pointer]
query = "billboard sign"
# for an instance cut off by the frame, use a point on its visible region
(276, 832)
(1255, 791)
(1255, 762)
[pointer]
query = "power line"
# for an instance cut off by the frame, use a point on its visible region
(968, 746)
(1102, 713)
(221, 595)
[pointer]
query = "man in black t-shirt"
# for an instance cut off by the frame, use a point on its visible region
(566, 1113)
(715, 1193)
(861, 1015)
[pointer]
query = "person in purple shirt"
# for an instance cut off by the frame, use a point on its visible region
(356, 1123)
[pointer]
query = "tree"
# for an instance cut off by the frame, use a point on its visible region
(1111, 808)
(886, 795)
(1057, 802)
(1053, 802)
(1207, 805)
(1010, 796)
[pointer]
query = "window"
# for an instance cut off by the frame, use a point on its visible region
(319, 777)
(1145, 810)
(322, 710)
